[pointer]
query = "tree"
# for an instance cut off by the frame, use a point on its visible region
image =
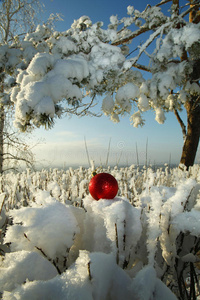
(87, 60)
(17, 146)
(16, 18)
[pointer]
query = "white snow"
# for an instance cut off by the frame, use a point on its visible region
(113, 20)
(21, 266)
(75, 67)
(188, 35)
(130, 10)
(143, 102)
(45, 106)
(65, 45)
(49, 227)
(108, 105)
(160, 116)
(40, 63)
(110, 219)
(127, 92)
(136, 119)
(63, 246)
(188, 221)
(148, 286)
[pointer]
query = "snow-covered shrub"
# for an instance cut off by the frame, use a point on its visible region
(62, 244)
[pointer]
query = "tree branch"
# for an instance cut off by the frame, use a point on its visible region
(189, 10)
(10, 156)
(141, 67)
(20, 6)
(145, 28)
(136, 33)
(150, 40)
(183, 127)
(163, 2)
(83, 109)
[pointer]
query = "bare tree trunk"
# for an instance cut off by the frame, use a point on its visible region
(193, 132)
(2, 119)
(192, 107)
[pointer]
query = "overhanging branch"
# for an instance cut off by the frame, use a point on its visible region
(183, 127)
(132, 35)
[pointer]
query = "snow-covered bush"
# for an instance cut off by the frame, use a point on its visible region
(57, 242)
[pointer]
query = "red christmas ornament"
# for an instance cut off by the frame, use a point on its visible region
(103, 186)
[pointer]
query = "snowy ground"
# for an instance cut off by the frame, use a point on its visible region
(57, 242)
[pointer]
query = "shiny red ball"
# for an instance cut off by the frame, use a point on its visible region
(103, 186)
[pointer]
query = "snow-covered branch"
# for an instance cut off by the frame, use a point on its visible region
(150, 40)
(163, 2)
(131, 36)
(141, 67)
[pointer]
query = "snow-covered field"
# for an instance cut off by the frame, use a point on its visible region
(57, 242)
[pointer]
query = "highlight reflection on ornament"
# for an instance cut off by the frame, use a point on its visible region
(103, 186)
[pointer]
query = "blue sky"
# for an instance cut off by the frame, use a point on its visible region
(64, 144)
